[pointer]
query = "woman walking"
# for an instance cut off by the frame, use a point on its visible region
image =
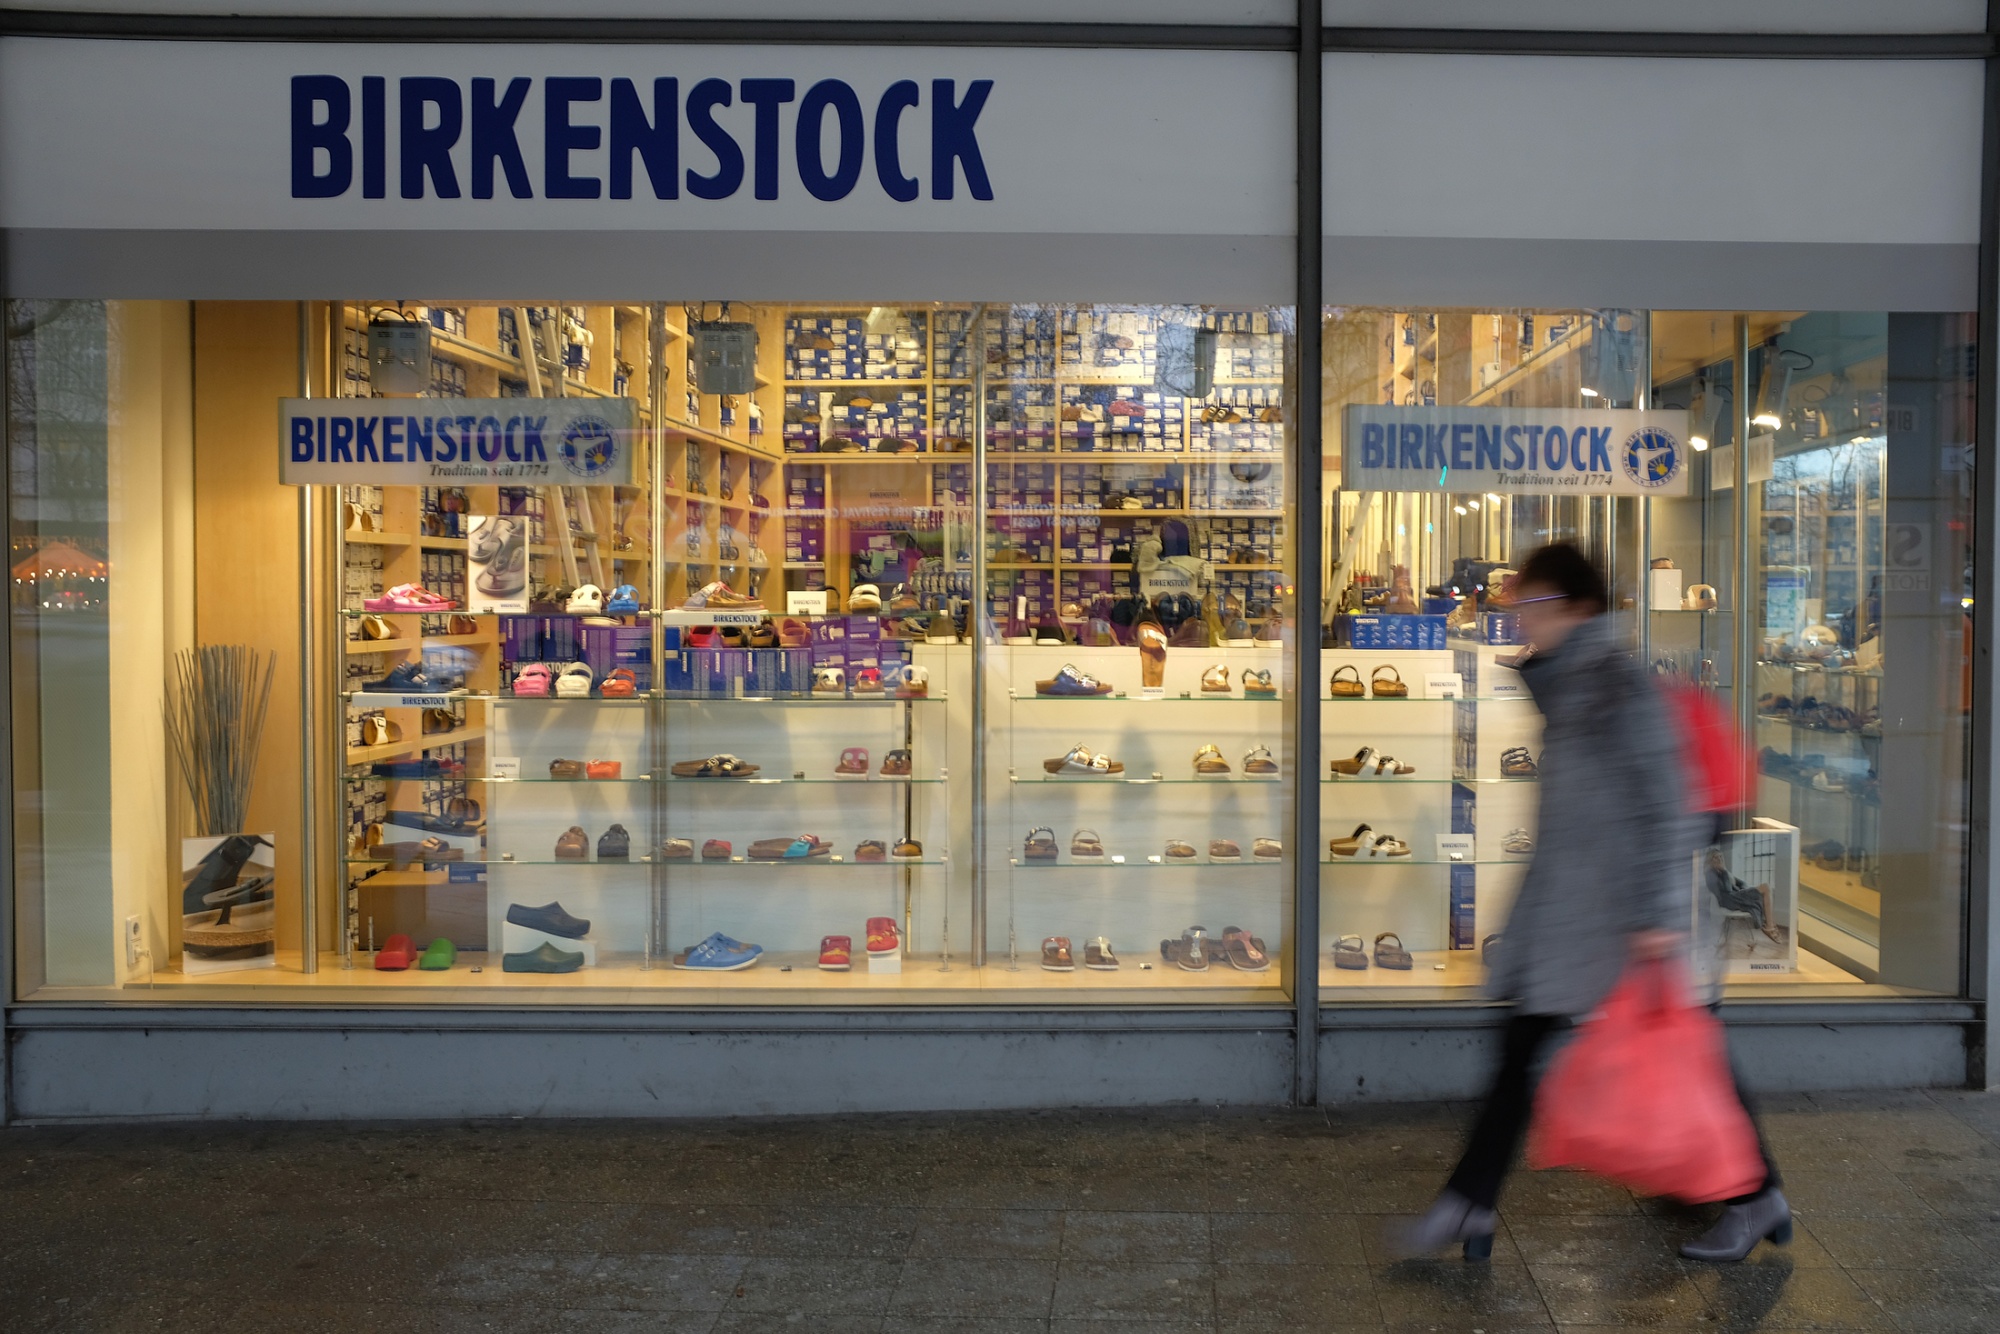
(1609, 884)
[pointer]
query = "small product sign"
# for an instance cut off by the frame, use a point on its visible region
(1515, 451)
(456, 441)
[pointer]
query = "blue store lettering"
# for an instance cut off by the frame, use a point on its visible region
(449, 137)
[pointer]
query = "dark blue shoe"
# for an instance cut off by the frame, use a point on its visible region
(404, 678)
(551, 918)
(407, 769)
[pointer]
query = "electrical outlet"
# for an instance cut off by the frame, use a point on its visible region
(134, 940)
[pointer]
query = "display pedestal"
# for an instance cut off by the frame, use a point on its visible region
(886, 963)
(521, 939)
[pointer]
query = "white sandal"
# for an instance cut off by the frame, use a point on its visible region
(1215, 681)
(1081, 761)
(574, 681)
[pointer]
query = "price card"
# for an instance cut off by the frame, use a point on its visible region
(1443, 685)
(503, 768)
(1456, 847)
(806, 604)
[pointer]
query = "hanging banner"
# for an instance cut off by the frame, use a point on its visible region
(456, 441)
(1515, 451)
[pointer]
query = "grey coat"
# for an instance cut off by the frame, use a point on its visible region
(1612, 854)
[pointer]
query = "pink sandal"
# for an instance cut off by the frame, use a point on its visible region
(410, 598)
(853, 763)
(533, 680)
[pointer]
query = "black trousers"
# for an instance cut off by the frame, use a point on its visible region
(1496, 1135)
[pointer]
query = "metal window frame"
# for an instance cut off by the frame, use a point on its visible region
(1309, 40)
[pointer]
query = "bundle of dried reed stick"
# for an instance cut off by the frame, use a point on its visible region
(215, 724)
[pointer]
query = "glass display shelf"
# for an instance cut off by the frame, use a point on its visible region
(1519, 859)
(1350, 780)
(845, 863)
(1185, 697)
(877, 780)
(1147, 862)
(1120, 780)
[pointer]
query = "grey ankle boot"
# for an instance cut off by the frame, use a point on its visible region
(1742, 1226)
(1451, 1219)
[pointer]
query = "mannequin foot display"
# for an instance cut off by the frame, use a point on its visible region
(1451, 1219)
(1767, 1216)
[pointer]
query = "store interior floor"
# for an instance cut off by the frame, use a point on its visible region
(1118, 1222)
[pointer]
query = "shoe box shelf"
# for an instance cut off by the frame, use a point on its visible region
(1042, 367)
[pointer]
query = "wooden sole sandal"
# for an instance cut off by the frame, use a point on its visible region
(1391, 956)
(1352, 955)
(1208, 762)
(1349, 846)
(1393, 688)
(1347, 686)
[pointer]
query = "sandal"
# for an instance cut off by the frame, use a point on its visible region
(410, 598)
(896, 764)
(1178, 850)
(1347, 847)
(1259, 763)
(1391, 956)
(1354, 956)
(565, 771)
(853, 763)
(507, 573)
(1266, 850)
(1385, 845)
(622, 683)
(492, 535)
(1224, 851)
(1517, 842)
(573, 682)
(1393, 688)
(1257, 682)
(677, 850)
(1056, 955)
(1515, 762)
(1190, 952)
(1081, 761)
(1370, 763)
(1071, 682)
(1098, 954)
(374, 627)
(1086, 843)
(1341, 689)
(715, 766)
(1208, 762)
(1244, 950)
(1040, 845)
(871, 850)
(1215, 681)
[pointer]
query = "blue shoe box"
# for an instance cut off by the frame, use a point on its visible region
(1500, 627)
(1377, 631)
(559, 638)
(521, 638)
(609, 647)
(1464, 908)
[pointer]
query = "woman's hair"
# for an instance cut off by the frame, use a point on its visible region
(1562, 568)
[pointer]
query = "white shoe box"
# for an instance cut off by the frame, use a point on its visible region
(521, 939)
(886, 963)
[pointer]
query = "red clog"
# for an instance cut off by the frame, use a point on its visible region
(397, 953)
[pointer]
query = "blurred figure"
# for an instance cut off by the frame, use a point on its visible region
(1608, 884)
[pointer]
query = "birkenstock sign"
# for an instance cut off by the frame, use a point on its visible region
(1515, 451)
(456, 442)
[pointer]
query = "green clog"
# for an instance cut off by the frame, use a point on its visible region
(545, 958)
(439, 955)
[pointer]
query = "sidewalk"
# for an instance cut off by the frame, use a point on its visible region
(992, 1224)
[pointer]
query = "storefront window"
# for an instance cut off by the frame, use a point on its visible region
(1852, 651)
(634, 656)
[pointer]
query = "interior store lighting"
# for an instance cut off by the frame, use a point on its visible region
(1472, 504)
(1707, 408)
(1459, 508)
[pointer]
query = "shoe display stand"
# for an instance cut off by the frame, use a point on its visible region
(1454, 812)
(1134, 894)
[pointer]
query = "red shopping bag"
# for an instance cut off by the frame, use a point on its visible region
(1643, 1096)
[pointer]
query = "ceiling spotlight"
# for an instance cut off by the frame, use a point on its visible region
(1472, 504)
(1492, 497)
(1459, 508)
(1588, 392)
(1769, 419)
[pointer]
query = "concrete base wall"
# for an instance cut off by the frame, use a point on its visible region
(257, 1065)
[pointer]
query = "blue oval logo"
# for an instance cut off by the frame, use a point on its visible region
(1651, 457)
(589, 447)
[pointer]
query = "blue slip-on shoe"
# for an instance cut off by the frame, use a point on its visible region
(719, 954)
(1070, 681)
(624, 601)
(403, 678)
(551, 918)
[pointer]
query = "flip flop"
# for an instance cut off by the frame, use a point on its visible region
(1391, 956)
(1353, 956)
